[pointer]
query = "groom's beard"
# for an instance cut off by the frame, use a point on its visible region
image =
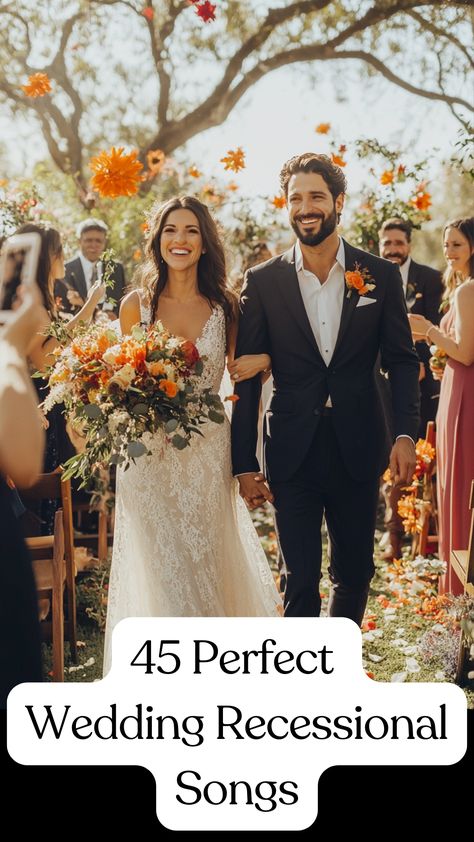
(328, 226)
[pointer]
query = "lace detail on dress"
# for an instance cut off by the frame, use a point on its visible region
(184, 543)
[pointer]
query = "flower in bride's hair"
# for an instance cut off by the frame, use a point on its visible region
(115, 173)
(169, 388)
(38, 85)
(124, 376)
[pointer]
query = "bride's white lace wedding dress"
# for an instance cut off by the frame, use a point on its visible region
(184, 543)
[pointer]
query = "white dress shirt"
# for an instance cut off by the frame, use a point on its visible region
(323, 301)
(404, 269)
(88, 268)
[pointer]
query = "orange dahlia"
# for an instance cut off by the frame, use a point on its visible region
(116, 174)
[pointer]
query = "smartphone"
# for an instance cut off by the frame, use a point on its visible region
(18, 265)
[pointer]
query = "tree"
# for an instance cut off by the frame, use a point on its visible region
(191, 74)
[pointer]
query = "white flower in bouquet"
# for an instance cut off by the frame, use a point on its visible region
(124, 376)
(111, 355)
(117, 419)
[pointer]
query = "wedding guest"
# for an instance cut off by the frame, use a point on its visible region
(21, 453)
(423, 289)
(84, 270)
(455, 418)
(40, 353)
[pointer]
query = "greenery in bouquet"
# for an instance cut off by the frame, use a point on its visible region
(116, 389)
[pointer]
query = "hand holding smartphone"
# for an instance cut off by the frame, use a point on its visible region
(18, 267)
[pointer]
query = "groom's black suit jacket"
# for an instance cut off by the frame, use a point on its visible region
(273, 320)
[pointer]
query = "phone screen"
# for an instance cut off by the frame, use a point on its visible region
(18, 265)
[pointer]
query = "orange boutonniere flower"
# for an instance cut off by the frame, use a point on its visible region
(359, 279)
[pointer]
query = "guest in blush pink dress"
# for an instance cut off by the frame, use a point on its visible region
(455, 418)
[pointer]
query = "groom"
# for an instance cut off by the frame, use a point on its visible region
(323, 311)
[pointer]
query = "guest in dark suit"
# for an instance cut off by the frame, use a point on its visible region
(82, 272)
(325, 440)
(423, 288)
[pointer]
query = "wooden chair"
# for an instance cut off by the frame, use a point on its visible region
(462, 562)
(430, 513)
(100, 540)
(49, 574)
(42, 548)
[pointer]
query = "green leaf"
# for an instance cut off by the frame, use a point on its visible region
(116, 459)
(140, 409)
(136, 449)
(179, 442)
(199, 367)
(215, 416)
(92, 411)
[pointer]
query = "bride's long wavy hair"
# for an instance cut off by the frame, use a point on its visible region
(211, 270)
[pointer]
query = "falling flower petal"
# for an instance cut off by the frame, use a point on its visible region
(206, 11)
(148, 13)
(234, 160)
(338, 160)
(194, 172)
(38, 85)
(322, 128)
(116, 174)
(155, 160)
(279, 202)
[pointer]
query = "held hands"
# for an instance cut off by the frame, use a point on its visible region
(247, 366)
(403, 461)
(419, 326)
(254, 490)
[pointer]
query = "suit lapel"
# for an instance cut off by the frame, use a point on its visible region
(290, 289)
(348, 303)
(77, 272)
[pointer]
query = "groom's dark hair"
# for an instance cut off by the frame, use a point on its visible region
(312, 162)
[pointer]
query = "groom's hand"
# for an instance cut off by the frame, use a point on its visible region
(254, 490)
(403, 461)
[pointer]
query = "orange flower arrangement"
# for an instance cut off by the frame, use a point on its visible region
(116, 174)
(234, 160)
(38, 85)
(322, 128)
(360, 280)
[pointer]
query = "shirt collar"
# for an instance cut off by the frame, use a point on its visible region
(340, 256)
(86, 263)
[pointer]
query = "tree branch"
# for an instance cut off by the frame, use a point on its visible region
(441, 33)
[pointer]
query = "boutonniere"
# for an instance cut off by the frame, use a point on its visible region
(359, 279)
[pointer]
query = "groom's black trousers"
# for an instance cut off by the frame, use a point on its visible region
(322, 485)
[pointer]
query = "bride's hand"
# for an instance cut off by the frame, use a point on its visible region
(247, 366)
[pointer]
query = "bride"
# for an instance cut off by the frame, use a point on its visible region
(184, 541)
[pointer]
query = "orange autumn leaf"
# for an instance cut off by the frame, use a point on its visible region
(279, 202)
(336, 159)
(387, 177)
(38, 85)
(194, 172)
(234, 160)
(322, 128)
(155, 159)
(115, 173)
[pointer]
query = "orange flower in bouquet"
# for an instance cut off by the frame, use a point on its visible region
(120, 388)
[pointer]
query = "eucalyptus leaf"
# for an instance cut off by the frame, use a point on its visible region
(116, 459)
(136, 449)
(140, 409)
(171, 425)
(215, 416)
(179, 442)
(92, 411)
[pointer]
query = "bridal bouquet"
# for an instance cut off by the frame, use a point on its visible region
(118, 388)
